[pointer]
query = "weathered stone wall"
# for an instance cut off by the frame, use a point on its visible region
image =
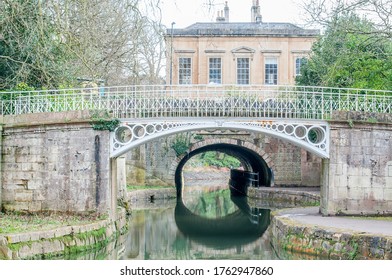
(65, 241)
(358, 175)
(290, 237)
(260, 197)
(150, 164)
(54, 162)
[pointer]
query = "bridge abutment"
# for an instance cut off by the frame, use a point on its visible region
(55, 162)
(357, 179)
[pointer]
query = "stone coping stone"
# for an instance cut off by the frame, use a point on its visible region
(52, 233)
(323, 238)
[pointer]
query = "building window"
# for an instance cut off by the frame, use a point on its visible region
(215, 72)
(271, 71)
(299, 61)
(185, 71)
(243, 71)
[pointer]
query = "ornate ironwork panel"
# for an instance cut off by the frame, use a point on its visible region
(312, 136)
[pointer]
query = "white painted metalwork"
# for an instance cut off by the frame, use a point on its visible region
(312, 136)
(161, 101)
(276, 110)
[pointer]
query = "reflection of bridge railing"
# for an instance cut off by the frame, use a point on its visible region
(201, 101)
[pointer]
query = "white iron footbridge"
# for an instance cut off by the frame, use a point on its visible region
(296, 114)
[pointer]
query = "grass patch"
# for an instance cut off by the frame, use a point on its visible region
(23, 222)
(131, 188)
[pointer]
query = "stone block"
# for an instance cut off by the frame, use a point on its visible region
(36, 184)
(340, 193)
(35, 206)
(387, 194)
(389, 169)
(54, 205)
(5, 253)
(47, 234)
(39, 195)
(358, 181)
(34, 236)
(3, 241)
(35, 248)
(16, 206)
(52, 246)
(354, 206)
(63, 231)
(355, 192)
(8, 195)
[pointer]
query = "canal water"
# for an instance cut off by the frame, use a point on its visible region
(203, 225)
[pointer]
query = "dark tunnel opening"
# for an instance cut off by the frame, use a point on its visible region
(250, 160)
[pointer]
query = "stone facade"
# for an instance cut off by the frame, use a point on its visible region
(209, 53)
(358, 176)
(54, 162)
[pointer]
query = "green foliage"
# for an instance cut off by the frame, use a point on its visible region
(342, 58)
(14, 222)
(214, 205)
(23, 87)
(31, 49)
(198, 137)
(181, 144)
(101, 120)
(216, 159)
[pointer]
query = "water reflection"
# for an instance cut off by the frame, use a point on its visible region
(214, 226)
(241, 227)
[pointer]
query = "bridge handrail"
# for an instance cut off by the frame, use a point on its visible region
(142, 101)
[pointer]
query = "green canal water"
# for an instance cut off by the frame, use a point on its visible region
(208, 225)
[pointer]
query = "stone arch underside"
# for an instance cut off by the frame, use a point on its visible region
(250, 159)
(297, 132)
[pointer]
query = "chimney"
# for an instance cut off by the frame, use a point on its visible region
(220, 17)
(255, 12)
(227, 11)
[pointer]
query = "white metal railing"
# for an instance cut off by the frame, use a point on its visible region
(157, 101)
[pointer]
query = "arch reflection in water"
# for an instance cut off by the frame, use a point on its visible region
(243, 226)
(206, 225)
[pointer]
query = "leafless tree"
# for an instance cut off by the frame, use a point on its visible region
(108, 36)
(322, 12)
(118, 41)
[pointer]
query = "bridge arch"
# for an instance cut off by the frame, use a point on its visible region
(252, 158)
(312, 136)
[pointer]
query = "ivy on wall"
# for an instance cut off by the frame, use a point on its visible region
(101, 120)
(181, 144)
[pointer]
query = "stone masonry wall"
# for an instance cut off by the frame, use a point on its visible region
(54, 162)
(358, 175)
(290, 238)
(149, 164)
(68, 241)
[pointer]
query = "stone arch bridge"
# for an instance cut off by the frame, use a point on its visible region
(53, 159)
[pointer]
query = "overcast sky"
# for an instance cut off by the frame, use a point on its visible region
(187, 12)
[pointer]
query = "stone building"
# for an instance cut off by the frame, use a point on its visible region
(224, 52)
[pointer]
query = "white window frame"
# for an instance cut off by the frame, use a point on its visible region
(213, 80)
(297, 70)
(267, 78)
(248, 69)
(180, 81)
